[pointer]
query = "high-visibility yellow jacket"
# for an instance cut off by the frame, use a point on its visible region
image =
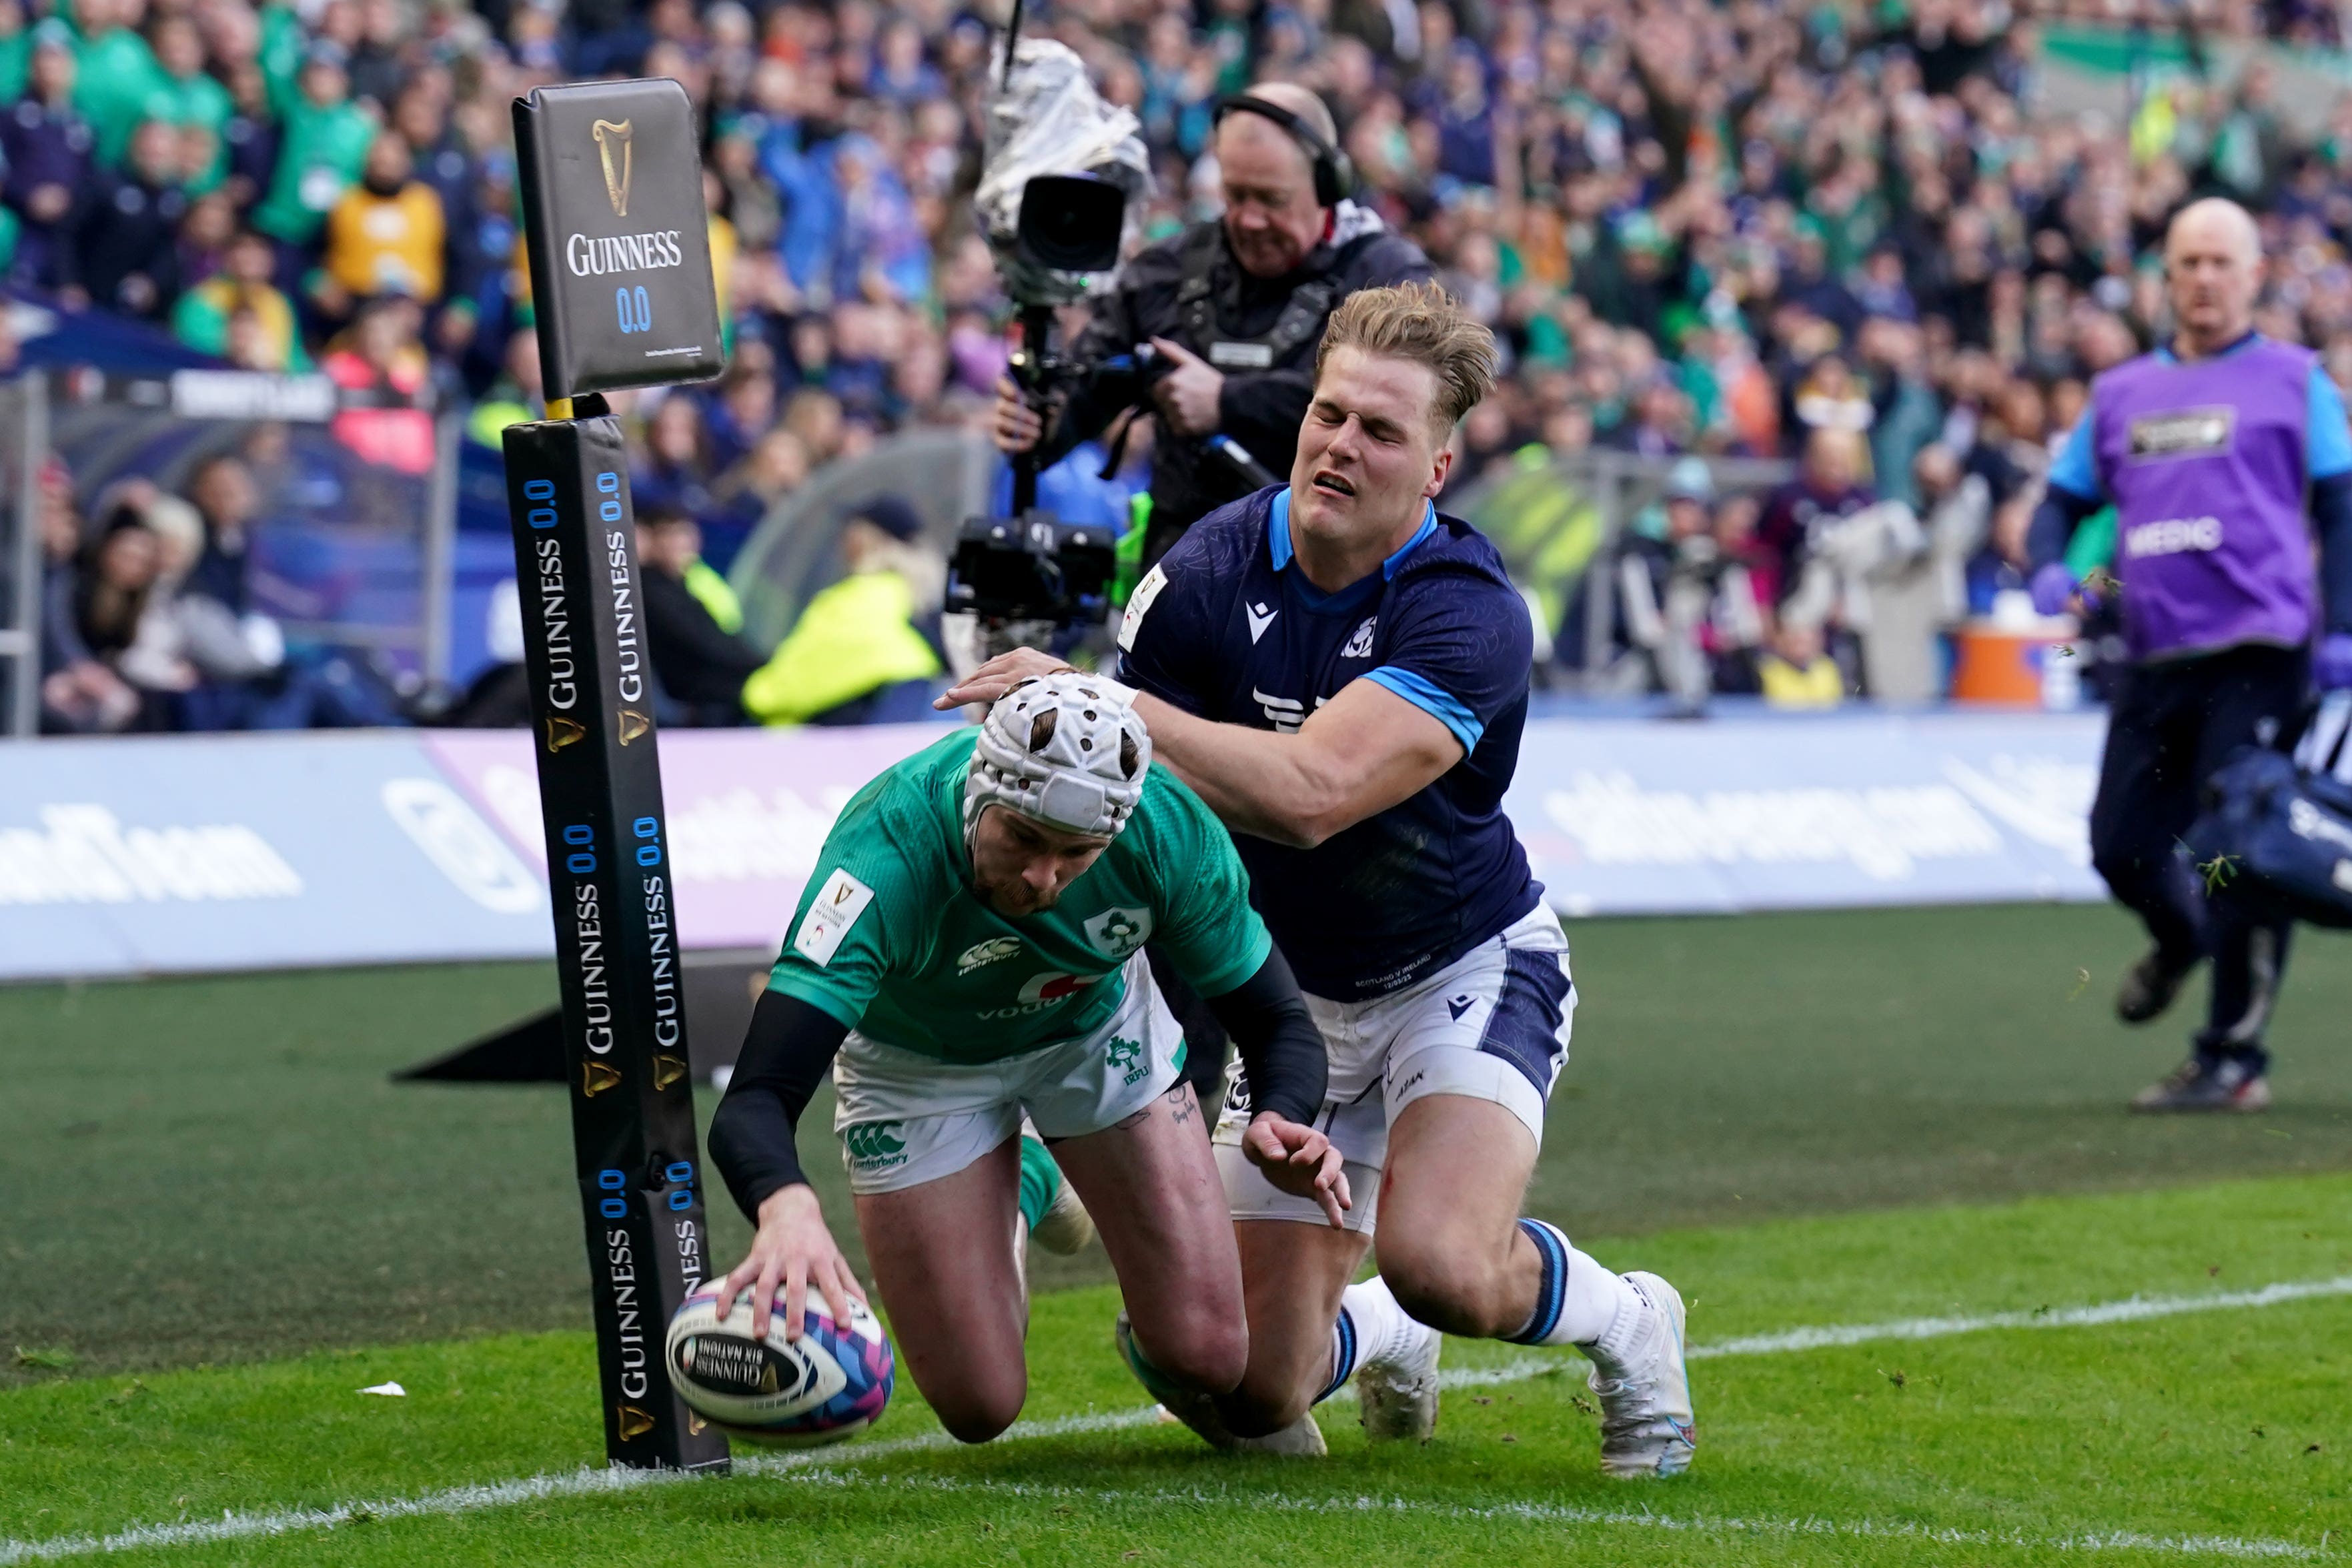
(712, 591)
(1818, 684)
(855, 637)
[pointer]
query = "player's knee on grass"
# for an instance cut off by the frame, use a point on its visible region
(1264, 1404)
(976, 1411)
(1201, 1351)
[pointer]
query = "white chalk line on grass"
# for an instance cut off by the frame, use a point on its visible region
(2135, 1309)
(833, 1464)
(1362, 1505)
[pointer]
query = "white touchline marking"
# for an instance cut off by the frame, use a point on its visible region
(828, 1464)
(1571, 1513)
(2135, 1309)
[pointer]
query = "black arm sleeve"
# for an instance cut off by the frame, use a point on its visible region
(785, 1054)
(2331, 512)
(1280, 1048)
(2054, 521)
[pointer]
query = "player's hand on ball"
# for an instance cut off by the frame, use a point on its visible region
(999, 676)
(1301, 1161)
(795, 1250)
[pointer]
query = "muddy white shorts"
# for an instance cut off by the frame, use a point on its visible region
(1492, 1025)
(905, 1119)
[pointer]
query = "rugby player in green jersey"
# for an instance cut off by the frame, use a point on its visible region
(971, 949)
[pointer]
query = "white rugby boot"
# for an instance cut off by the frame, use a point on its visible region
(1647, 1425)
(1397, 1396)
(1301, 1440)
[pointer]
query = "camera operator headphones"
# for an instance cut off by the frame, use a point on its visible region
(1335, 172)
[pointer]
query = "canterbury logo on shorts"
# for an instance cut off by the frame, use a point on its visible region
(874, 1146)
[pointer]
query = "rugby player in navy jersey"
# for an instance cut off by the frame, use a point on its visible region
(1341, 671)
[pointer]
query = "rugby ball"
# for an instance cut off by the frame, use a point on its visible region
(830, 1384)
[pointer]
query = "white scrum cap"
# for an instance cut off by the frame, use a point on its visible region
(1066, 749)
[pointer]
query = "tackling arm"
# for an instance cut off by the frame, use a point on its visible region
(1364, 751)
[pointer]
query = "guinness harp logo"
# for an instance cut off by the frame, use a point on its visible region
(563, 732)
(634, 1422)
(613, 147)
(667, 1070)
(595, 1078)
(633, 725)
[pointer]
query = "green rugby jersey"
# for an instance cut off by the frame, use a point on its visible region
(891, 939)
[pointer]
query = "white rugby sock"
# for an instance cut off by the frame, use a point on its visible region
(1372, 1328)
(1578, 1301)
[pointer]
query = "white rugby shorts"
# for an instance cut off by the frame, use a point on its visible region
(905, 1119)
(1492, 1025)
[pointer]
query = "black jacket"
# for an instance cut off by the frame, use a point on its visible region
(132, 232)
(1262, 409)
(698, 662)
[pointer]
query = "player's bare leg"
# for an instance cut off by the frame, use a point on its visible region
(1449, 1244)
(942, 1259)
(1453, 1249)
(1159, 1206)
(1293, 1276)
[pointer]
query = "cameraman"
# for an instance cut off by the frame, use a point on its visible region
(1232, 311)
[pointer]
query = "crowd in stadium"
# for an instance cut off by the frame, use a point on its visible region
(1836, 235)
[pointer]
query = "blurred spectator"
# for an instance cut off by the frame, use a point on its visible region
(383, 236)
(223, 492)
(322, 149)
(1827, 488)
(118, 573)
(691, 621)
(678, 466)
(80, 692)
(772, 470)
(1727, 230)
(857, 656)
(129, 254)
(378, 356)
(48, 145)
(239, 314)
(1798, 673)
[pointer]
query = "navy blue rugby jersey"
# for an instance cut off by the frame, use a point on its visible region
(1226, 627)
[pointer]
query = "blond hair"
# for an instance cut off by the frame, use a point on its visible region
(1421, 323)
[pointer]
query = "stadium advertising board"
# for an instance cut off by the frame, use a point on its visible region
(177, 855)
(1636, 817)
(749, 811)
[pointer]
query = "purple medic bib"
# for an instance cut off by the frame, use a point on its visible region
(2205, 462)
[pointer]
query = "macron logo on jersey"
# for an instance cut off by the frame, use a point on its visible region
(1260, 618)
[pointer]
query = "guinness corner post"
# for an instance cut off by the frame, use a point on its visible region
(620, 273)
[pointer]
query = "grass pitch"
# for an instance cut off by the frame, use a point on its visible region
(226, 1221)
(2220, 1433)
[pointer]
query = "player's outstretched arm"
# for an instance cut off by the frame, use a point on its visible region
(1360, 753)
(786, 1053)
(1283, 1054)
